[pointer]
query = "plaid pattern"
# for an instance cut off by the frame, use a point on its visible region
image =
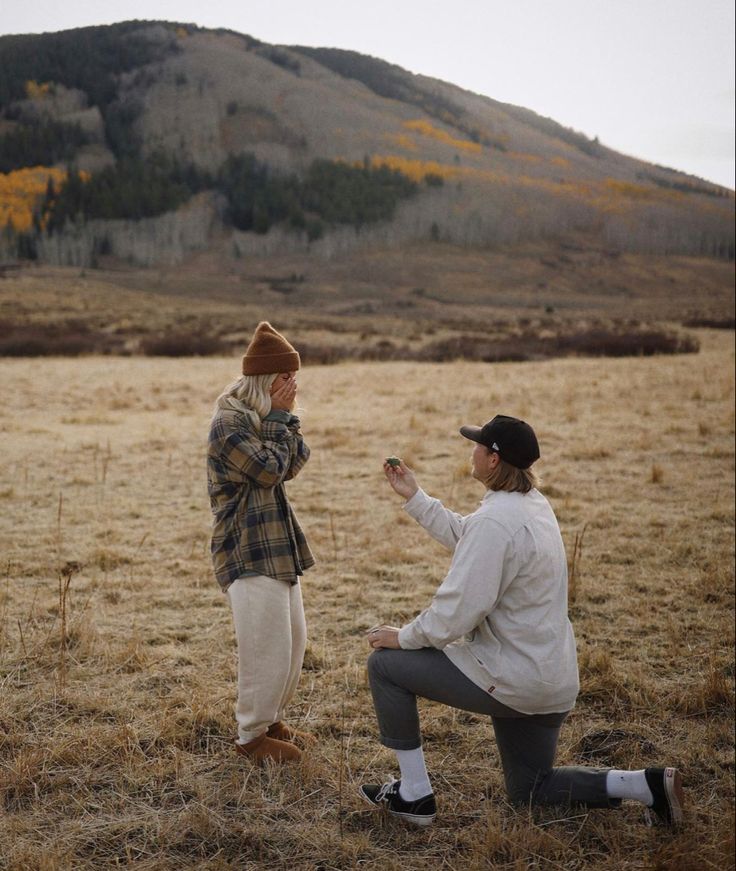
(254, 528)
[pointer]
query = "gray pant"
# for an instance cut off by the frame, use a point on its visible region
(526, 743)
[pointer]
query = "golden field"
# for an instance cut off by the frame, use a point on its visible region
(115, 745)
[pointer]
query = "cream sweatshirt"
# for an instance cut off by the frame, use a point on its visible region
(500, 615)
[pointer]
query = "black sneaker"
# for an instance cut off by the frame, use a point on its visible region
(420, 812)
(666, 787)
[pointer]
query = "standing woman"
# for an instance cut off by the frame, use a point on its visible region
(258, 548)
(495, 640)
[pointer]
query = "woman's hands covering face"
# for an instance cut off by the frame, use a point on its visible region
(283, 392)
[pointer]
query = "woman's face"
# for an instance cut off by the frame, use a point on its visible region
(282, 379)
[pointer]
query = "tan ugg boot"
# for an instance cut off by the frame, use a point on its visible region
(264, 747)
(282, 732)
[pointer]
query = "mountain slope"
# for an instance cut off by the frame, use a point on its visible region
(487, 173)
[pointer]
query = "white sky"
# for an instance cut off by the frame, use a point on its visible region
(651, 78)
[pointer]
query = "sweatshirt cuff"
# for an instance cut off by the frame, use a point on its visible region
(278, 415)
(407, 638)
(414, 505)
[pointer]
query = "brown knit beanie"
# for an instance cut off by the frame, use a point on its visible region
(269, 352)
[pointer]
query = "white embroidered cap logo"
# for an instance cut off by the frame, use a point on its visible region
(495, 447)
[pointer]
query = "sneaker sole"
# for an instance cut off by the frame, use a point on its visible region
(415, 819)
(674, 793)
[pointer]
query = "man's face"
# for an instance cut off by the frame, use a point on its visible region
(482, 461)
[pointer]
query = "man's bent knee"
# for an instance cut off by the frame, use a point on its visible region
(520, 796)
(374, 664)
(523, 790)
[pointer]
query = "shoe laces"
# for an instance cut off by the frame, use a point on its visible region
(387, 790)
(652, 819)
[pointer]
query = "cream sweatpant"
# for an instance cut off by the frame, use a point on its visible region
(272, 636)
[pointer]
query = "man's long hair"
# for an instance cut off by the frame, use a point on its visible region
(512, 480)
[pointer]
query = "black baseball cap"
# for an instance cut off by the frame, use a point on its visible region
(512, 439)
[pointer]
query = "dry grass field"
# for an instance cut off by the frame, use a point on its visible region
(116, 697)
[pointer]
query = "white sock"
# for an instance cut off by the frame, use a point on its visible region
(629, 784)
(414, 778)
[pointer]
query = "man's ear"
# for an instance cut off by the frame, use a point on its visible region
(493, 460)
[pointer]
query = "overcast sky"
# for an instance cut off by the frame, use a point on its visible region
(651, 78)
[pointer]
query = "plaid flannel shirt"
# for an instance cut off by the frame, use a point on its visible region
(254, 529)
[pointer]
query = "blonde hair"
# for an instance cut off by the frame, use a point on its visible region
(509, 478)
(249, 394)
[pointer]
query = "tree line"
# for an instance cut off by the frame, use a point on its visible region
(330, 193)
(89, 59)
(256, 197)
(42, 144)
(131, 189)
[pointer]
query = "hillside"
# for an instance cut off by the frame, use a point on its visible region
(145, 142)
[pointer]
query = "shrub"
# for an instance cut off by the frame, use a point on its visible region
(479, 348)
(313, 354)
(385, 349)
(68, 339)
(183, 343)
(599, 342)
(645, 343)
(711, 323)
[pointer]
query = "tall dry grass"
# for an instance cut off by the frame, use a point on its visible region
(127, 759)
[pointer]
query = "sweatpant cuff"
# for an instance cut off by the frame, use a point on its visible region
(401, 743)
(245, 737)
(599, 802)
